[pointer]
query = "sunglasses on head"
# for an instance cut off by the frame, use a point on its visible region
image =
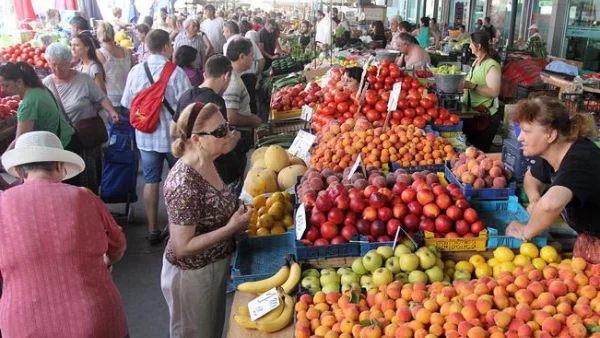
(220, 132)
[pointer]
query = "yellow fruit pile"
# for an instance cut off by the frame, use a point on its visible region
(272, 215)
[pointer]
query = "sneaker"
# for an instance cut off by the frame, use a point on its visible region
(154, 237)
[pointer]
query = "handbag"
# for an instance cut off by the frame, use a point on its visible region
(90, 132)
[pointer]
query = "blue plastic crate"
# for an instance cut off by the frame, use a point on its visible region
(260, 257)
(496, 215)
(365, 246)
(448, 129)
(483, 193)
(326, 251)
(513, 159)
(433, 168)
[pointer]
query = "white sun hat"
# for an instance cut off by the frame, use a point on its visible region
(41, 146)
(534, 26)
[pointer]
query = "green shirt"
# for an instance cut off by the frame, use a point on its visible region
(477, 76)
(39, 106)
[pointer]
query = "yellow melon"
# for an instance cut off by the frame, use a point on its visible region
(276, 158)
(258, 154)
(260, 181)
(288, 176)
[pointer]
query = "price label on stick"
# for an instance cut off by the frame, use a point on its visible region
(302, 143)
(307, 113)
(263, 304)
(394, 96)
(300, 221)
(357, 163)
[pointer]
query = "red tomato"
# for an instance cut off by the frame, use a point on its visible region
(413, 103)
(381, 79)
(378, 85)
(397, 115)
(389, 80)
(373, 70)
(395, 73)
(327, 98)
(438, 122)
(444, 114)
(426, 103)
(419, 122)
(371, 97)
(353, 108)
(385, 96)
(420, 110)
(385, 63)
(433, 112)
(410, 112)
(328, 110)
(30, 61)
(340, 97)
(342, 107)
(403, 104)
(413, 93)
(372, 115)
(432, 97)
(388, 86)
(427, 118)
(454, 119)
(406, 121)
(384, 71)
(332, 105)
(371, 78)
(381, 106)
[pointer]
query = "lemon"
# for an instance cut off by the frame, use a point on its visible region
(288, 221)
(504, 254)
(258, 201)
(496, 270)
(493, 262)
(276, 210)
(521, 260)
(263, 232)
(278, 229)
(529, 250)
(476, 260)
(464, 265)
(507, 266)
(265, 221)
(549, 254)
(483, 270)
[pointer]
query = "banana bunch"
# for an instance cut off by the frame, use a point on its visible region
(276, 320)
(287, 278)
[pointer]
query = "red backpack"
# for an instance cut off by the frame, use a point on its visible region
(145, 107)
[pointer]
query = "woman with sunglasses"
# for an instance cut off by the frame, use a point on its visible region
(203, 218)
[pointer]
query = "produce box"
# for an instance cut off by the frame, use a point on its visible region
(326, 251)
(365, 246)
(448, 129)
(496, 215)
(483, 193)
(434, 168)
(260, 257)
(457, 244)
(513, 159)
(282, 115)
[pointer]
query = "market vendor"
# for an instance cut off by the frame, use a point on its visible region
(412, 55)
(569, 164)
(536, 44)
(481, 91)
(351, 79)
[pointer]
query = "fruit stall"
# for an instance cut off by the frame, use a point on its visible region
(374, 218)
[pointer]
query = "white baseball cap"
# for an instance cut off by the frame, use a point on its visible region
(534, 26)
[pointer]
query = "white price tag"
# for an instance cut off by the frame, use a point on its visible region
(302, 144)
(307, 113)
(357, 163)
(300, 221)
(363, 92)
(263, 304)
(394, 96)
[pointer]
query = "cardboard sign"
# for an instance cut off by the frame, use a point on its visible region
(307, 113)
(302, 144)
(263, 304)
(300, 221)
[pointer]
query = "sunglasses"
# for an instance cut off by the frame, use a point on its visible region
(220, 132)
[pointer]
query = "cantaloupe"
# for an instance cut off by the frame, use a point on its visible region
(260, 181)
(259, 163)
(297, 160)
(276, 158)
(288, 176)
(258, 154)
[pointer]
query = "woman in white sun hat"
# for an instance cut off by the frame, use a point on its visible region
(57, 243)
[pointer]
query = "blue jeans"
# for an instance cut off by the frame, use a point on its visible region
(152, 165)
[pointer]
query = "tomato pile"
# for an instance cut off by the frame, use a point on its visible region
(336, 102)
(25, 53)
(9, 106)
(294, 97)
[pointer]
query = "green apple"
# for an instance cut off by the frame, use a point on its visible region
(343, 271)
(393, 264)
(329, 278)
(350, 278)
(435, 274)
(372, 260)
(417, 276)
(385, 251)
(350, 286)
(409, 244)
(366, 279)
(436, 251)
(331, 287)
(311, 272)
(439, 262)
(358, 267)
(382, 276)
(408, 262)
(427, 258)
(461, 274)
(401, 249)
(311, 283)
(449, 272)
(401, 277)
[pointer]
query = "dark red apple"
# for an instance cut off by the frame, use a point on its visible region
(443, 224)
(392, 226)
(399, 210)
(328, 230)
(363, 227)
(312, 233)
(404, 179)
(350, 218)
(462, 227)
(462, 203)
(355, 193)
(451, 235)
(323, 202)
(378, 228)
(369, 190)
(335, 215)
(470, 215)
(342, 202)
(369, 214)
(455, 213)
(377, 200)
(321, 242)
(384, 238)
(316, 217)
(443, 201)
(387, 193)
(349, 231)
(438, 189)
(398, 188)
(415, 208)
(384, 214)
(309, 199)
(427, 224)
(431, 210)
(477, 227)
(425, 196)
(408, 195)
(469, 235)
(456, 194)
(338, 240)
(411, 222)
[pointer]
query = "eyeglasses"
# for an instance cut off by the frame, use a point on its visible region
(220, 132)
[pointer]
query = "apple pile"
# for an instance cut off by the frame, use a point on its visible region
(294, 97)
(338, 146)
(9, 106)
(25, 53)
(475, 168)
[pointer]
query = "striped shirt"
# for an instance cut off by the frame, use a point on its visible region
(236, 95)
(195, 42)
(160, 139)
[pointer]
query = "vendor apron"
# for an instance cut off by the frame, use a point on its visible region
(588, 248)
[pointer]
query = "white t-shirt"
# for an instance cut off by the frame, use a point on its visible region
(257, 54)
(214, 30)
(323, 33)
(236, 95)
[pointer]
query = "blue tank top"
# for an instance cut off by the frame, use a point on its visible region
(423, 37)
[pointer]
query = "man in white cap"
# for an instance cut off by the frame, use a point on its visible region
(536, 44)
(534, 31)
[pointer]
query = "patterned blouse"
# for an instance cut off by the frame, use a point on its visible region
(192, 201)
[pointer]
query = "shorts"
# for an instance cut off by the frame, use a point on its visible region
(152, 165)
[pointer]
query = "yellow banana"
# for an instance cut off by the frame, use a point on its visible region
(290, 284)
(245, 322)
(283, 320)
(243, 310)
(271, 316)
(267, 284)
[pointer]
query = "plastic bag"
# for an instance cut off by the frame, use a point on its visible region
(587, 247)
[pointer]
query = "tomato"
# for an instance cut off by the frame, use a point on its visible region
(454, 119)
(394, 73)
(328, 110)
(30, 61)
(381, 78)
(416, 84)
(353, 108)
(420, 110)
(380, 92)
(427, 118)
(385, 63)
(340, 97)
(384, 72)
(342, 107)
(378, 85)
(406, 121)
(410, 112)
(381, 106)
(403, 104)
(327, 98)
(413, 93)
(389, 80)
(385, 96)
(372, 115)
(373, 70)
(371, 78)
(413, 103)
(438, 122)
(332, 105)
(397, 115)
(371, 97)
(426, 103)
(388, 86)
(432, 97)
(433, 112)
(444, 113)
(419, 122)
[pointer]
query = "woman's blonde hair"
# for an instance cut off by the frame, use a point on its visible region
(551, 113)
(193, 117)
(105, 32)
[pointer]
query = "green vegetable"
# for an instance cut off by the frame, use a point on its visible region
(446, 69)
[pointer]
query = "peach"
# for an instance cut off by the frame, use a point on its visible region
(524, 313)
(332, 297)
(546, 298)
(539, 316)
(499, 182)
(496, 171)
(476, 332)
(534, 275)
(521, 281)
(557, 288)
(455, 318)
(564, 308)
(464, 327)
(583, 310)
(501, 302)
(404, 315)
(580, 279)
(502, 319)
(524, 296)
(550, 309)
(436, 329)
(469, 312)
(423, 316)
(551, 326)
(550, 272)
(587, 291)
(577, 331)
(394, 290)
(484, 305)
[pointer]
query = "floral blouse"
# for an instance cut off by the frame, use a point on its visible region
(193, 201)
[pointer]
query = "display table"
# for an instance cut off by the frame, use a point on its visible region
(236, 331)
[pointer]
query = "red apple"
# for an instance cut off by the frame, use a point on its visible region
(392, 226)
(316, 217)
(363, 227)
(451, 235)
(411, 222)
(476, 227)
(443, 224)
(456, 194)
(408, 195)
(452, 186)
(342, 202)
(328, 230)
(462, 227)
(369, 190)
(323, 202)
(438, 190)
(398, 188)
(384, 214)
(377, 200)
(425, 196)
(443, 201)
(415, 208)
(312, 233)
(357, 204)
(426, 224)
(470, 215)
(462, 203)
(369, 214)
(335, 215)
(387, 193)
(309, 199)
(378, 228)
(469, 235)
(399, 210)
(338, 240)
(454, 212)
(355, 193)
(384, 238)
(350, 218)
(321, 242)
(431, 210)
(349, 231)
